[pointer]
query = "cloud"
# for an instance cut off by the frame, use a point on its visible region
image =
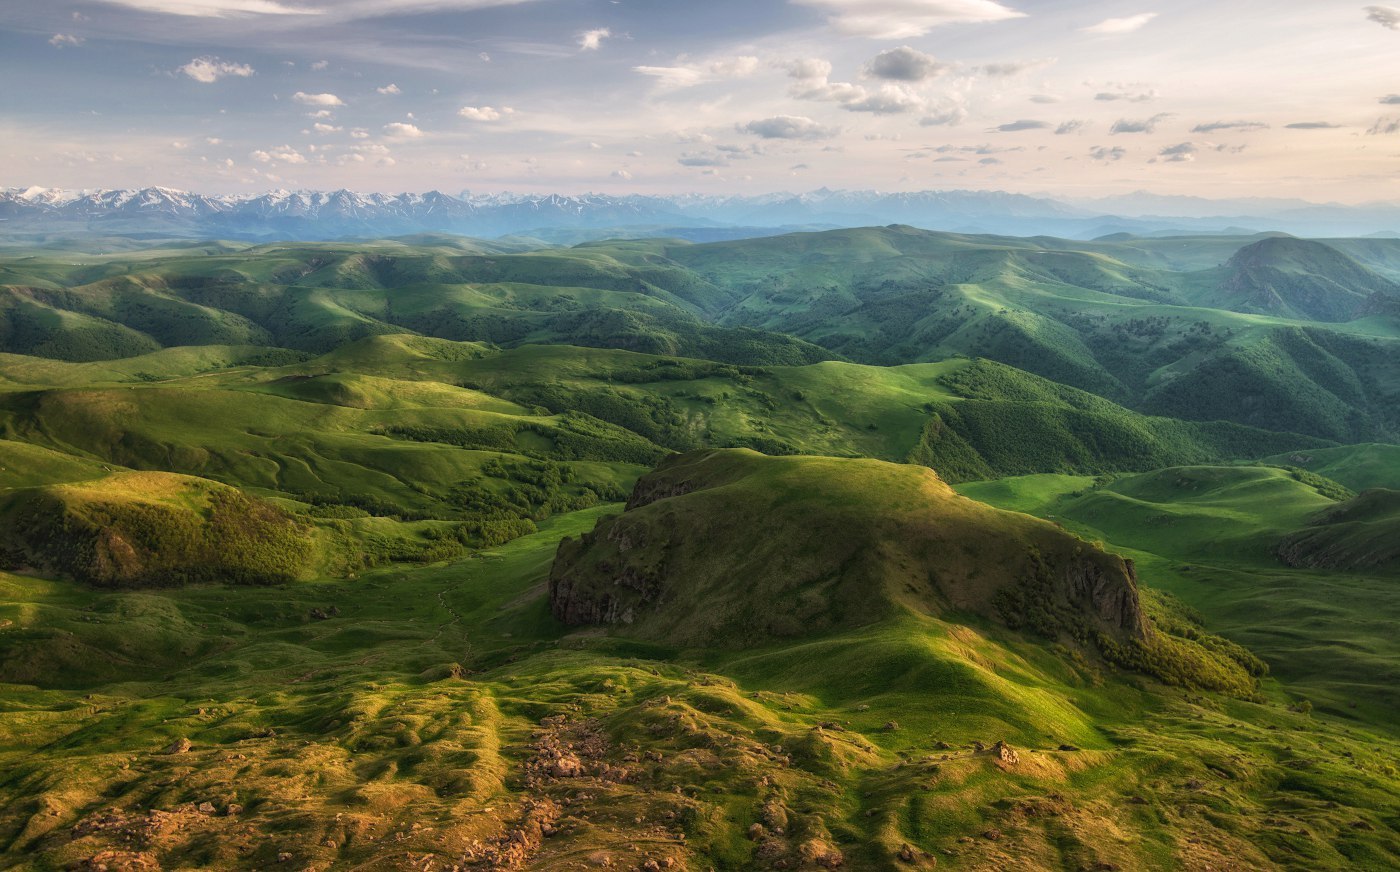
(808, 68)
(317, 99)
(1385, 16)
(59, 40)
(320, 65)
(484, 113)
(1122, 25)
(1044, 98)
(322, 127)
(1006, 69)
(702, 160)
(946, 117)
(1384, 126)
(1126, 95)
(402, 130)
(904, 64)
(788, 127)
(1106, 154)
(905, 19)
(1182, 152)
(1023, 124)
(689, 75)
(209, 70)
(624, 175)
(389, 89)
(1391, 100)
(889, 100)
(590, 40)
(213, 8)
(1145, 125)
(282, 153)
(1217, 126)
(1070, 127)
(1311, 125)
(339, 9)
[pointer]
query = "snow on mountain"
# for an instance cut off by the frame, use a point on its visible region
(284, 214)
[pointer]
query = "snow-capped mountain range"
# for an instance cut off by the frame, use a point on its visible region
(284, 214)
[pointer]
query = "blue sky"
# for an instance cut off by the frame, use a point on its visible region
(1238, 98)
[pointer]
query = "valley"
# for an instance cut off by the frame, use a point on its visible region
(868, 549)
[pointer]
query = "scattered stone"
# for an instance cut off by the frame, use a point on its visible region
(1006, 754)
(1068, 748)
(320, 614)
(890, 726)
(283, 857)
(179, 746)
(992, 835)
(756, 832)
(206, 808)
(906, 853)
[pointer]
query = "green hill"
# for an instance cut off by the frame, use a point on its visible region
(1298, 278)
(726, 549)
(1359, 535)
(142, 529)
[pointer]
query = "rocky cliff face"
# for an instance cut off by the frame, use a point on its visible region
(731, 547)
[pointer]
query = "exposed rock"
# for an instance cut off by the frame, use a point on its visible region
(179, 746)
(1006, 754)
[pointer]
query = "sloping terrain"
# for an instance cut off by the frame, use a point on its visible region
(1359, 535)
(323, 556)
(731, 548)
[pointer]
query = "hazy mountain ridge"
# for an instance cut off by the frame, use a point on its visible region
(284, 214)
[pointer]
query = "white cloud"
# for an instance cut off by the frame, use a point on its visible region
(689, 75)
(788, 127)
(484, 113)
(282, 153)
(1122, 25)
(1023, 124)
(322, 128)
(1384, 126)
(320, 65)
(888, 99)
(321, 114)
(1184, 152)
(402, 130)
(1217, 126)
(1127, 93)
(390, 88)
(317, 99)
(1385, 16)
(590, 40)
(209, 69)
(624, 175)
(59, 40)
(905, 64)
(1144, 125)
(1106, 154)
(1007, 69)
(338, 9)
(905, 19)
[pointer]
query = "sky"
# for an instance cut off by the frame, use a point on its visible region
(1226, 98)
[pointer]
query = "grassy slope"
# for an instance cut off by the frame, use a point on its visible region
(1144, 322)
(336, 736)
(1210, 536)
